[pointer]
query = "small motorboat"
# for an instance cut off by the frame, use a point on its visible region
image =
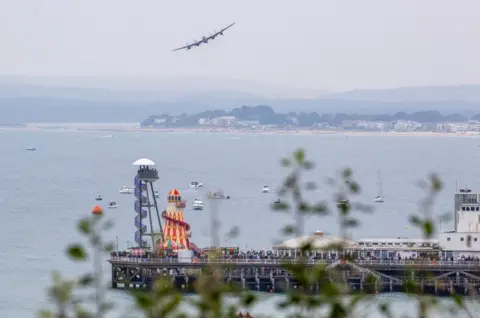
(156, 194)
(196, 184)
(112, 205)
(126, 190)
(277, 201)
(341, 203)
(99, 198)
(31, 149)
(265, 189)
(218, 195)
(197, 204)
(378, 199)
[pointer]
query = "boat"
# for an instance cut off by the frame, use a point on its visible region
(31, 149)
(379, 197)
(126, 190)
(112, 205)
(99, 198)
(265, 189)
(341, 203)
(156, 194)
(277, 201)
(197, 204)
(196, 184)
(218, 195)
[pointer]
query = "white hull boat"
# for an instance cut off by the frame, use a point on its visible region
(197, 204)
(112, 205)
(126, 190)
(196, 184)
(378, 199)
(265, 189)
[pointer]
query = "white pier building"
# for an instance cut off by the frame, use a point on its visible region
(461, 243)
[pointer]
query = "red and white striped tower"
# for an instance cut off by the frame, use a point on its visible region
(175, 228)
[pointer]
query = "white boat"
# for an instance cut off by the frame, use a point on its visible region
(196, 184)
(112, 205)
(218, 195)
(31, 149)
(197, 204)
(99, 198)
(126, 190)
(265, 189)
(156, 194)
(379, 197)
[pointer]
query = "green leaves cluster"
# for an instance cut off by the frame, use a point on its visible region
(61, 293)
(215, 298)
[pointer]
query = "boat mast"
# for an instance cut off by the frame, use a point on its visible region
(380, 184)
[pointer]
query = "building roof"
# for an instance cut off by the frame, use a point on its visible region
(318, 241)
(144, 162)
(174, 192)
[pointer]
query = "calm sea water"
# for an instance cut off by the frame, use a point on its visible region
(44, 192)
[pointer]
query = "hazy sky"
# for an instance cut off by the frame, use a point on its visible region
(333, 45)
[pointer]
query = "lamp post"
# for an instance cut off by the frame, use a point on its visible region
(214, 223)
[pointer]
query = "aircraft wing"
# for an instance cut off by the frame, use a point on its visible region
(183, 47)
(228, 27)
(217, 33)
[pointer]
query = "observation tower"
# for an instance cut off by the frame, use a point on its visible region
(146, 203)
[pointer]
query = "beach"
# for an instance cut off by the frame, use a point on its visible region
(135, 127)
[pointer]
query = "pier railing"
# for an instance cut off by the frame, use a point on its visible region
(242, 261)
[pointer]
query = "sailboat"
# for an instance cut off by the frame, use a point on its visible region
(379, 197)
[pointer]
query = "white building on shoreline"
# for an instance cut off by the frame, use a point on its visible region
(461, 243)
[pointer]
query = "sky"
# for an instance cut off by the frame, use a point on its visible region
(329, 45)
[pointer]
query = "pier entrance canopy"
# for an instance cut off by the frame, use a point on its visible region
(319, 242)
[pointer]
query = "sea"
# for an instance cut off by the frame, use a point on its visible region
(44, 192)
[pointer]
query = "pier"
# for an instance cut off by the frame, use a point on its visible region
(271, 275)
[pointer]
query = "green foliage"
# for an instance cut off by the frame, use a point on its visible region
(62, 291)
(217, 299)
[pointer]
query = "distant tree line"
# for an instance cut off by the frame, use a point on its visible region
(266, 116)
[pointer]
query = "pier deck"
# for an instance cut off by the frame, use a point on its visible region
(433, 277)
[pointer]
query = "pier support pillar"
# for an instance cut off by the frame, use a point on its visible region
(422, 285)
(466, 286)
(435, 283)
(114, 280)
(391, 285)
(362, 279)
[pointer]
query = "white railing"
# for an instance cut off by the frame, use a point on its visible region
(242, 261)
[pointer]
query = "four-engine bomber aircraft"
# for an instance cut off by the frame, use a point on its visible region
(204, 39)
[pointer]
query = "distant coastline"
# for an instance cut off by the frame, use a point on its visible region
(134, 127)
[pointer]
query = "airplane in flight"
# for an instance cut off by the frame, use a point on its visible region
(204, 39)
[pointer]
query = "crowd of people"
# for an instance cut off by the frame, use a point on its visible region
(270, 255)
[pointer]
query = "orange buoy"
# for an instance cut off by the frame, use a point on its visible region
(97, 210)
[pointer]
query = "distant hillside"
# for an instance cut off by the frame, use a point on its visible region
(25, 100)
(468, 93)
